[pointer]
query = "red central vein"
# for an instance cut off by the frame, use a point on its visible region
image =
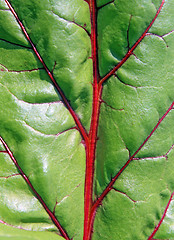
(64, 99)
(162, 218)
(91, 146)
(52, 216)
(130, 52)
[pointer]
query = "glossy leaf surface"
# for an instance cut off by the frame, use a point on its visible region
(120, 122)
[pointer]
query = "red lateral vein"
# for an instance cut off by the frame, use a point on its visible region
(162, 218)
(51, 214)
(64, 99)
(130, 51)
(19, 71)
(81, 27)
(124, 194)
(162, 156)
(1, 221)
(110, 185)
(12, 175)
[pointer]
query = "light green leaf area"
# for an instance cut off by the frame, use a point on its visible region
(34, 121)
(9, 232)
(133, 102)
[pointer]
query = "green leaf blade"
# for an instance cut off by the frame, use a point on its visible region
(50, 131)
(132, 105)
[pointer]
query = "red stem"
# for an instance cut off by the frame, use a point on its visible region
(64, 99)
(161, 220)
(130, 52)
(52, 216)
(91, 146)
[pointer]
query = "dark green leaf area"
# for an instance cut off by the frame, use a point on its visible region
(63, 45)
(119, 27)
(10, 30)
(9, 232)
(137, 201)
(102, 3)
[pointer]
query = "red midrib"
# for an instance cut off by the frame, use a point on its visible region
(91, 145)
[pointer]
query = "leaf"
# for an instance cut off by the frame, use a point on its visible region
(7, 232)
(86, 119)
